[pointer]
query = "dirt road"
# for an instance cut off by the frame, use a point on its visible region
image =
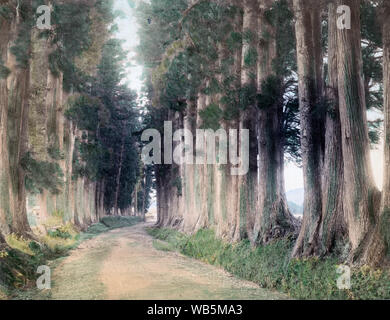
(123, 264)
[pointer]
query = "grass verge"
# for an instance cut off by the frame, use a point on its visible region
(20, 258)
(271, 267)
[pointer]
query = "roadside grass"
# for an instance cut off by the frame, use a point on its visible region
(270, 266)
(163, 246)
(113, 222)
(20, 258)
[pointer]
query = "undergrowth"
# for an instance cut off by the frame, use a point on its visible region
(20, 258)
(271, 267)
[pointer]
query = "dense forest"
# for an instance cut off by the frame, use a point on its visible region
(305, 77)
(69, 141)
(292, 81)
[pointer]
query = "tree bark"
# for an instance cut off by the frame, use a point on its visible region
(274, 219)
(226, 184)
(248, 184)
(308, 30)
(361, 198)
(14, 122)
(234, 220)
(378, 243)
(118, 177)
(143, 200)
(5, 210)
(386, 85)
(333, 233)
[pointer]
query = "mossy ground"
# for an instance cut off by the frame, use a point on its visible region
(21, 258)
(271, 267)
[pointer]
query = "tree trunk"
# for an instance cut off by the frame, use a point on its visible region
(5, 209)
(274, 219)
(14, 122)
(248, 184)
(385, 222)
(361, 198)
(118, 177)
(333, 232)
(378, 243)
(235, 124)
(308, 30)
(143, 200)
(226, 184)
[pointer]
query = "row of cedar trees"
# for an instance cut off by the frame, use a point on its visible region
(343, 209)
(62, 87)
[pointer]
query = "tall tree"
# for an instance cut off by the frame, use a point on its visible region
(274, 219)
(248, 184)
(15, 55)
(361, 198)
(333, 226)
(378, 243)
(386, 85)
(4, 190)
(309, 58)
(384, 224)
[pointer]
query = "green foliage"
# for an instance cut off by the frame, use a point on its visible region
(95, 229)
(4, 71)
(68, 17)
(59, 233)
(16, 269)
(270, 93)
(85, 112)
(42, 175)
(270, 266)
(282, 19)
(6, 12)
(114, 222)
(182, 73)
(147, 186)
(105, 8)
(21, 47)
(248, 36)
(374, 131)
(54, 152)
(107, 115)
(211, 117)
(234, 40)
(178, 184)
(372, 45)
(291, 131)
(373, 74)
(250, 58)
(370, 23)
(19, 243)
(248, 95)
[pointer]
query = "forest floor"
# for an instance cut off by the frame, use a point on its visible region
(124, 264)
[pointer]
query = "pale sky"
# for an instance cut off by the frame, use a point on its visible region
(128, 32)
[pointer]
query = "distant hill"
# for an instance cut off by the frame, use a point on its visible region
(296, 196)
(295, 209)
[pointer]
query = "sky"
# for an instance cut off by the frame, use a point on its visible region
(128, 32)
(127, 26)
